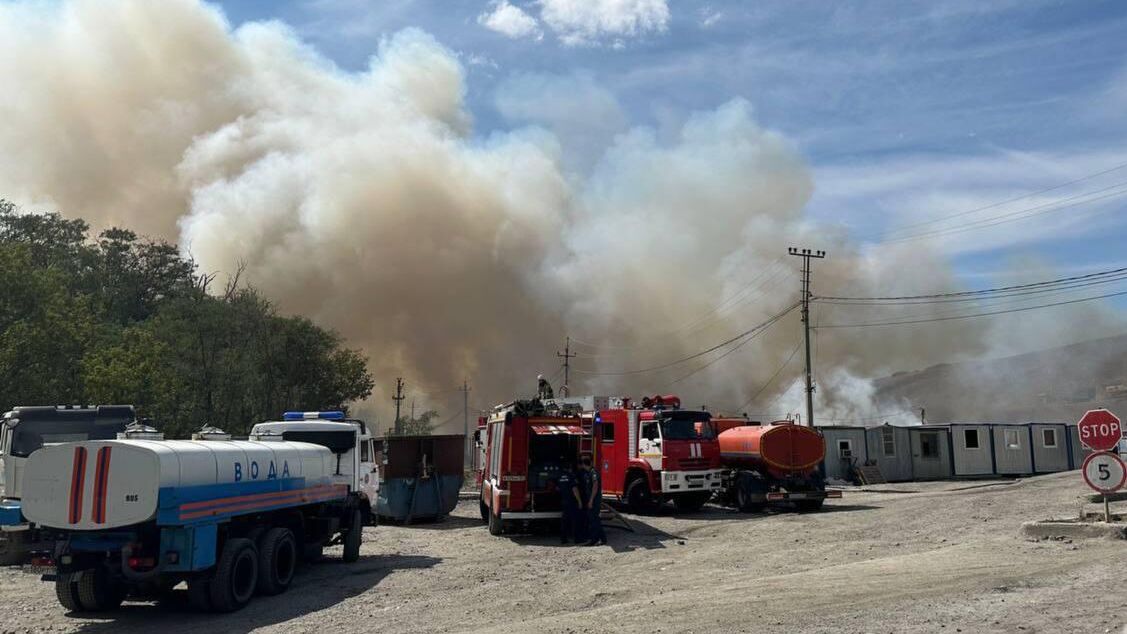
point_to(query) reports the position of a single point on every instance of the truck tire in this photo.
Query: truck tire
(353, 537)
(98, 591)
(484, 510)
(749, 485)
(66, 589)
(691, 502)
(199, 593)
(277, 560)
(638, 497)
(236, 576)
(496, 525)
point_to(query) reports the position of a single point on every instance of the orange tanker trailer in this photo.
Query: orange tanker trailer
(771, 464)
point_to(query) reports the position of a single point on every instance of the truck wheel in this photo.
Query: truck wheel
(66, 589)
(277, 560)
(236, 576)
(496, 524)
(484, 510)
(352, 538)
(638, 496)
(748, 487)
(691, 502)
(98, 591)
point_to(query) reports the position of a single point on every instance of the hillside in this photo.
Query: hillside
(1048, 385)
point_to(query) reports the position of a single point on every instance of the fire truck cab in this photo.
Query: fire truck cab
(656, 452)
(527, 444)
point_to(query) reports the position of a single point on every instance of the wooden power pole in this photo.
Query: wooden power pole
(806, 255)
(398, 398)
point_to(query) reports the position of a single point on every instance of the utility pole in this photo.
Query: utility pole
(398, 398)
(806, 255)
(466, 423)
(567, 355)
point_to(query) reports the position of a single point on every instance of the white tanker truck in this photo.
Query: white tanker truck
(231, 518)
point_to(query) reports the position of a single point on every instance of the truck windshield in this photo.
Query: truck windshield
(30, 435)
(338, 442)
(685, 429)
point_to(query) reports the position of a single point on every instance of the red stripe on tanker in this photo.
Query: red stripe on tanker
(77, 484)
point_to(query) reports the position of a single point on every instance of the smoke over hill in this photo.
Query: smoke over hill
(365, 201)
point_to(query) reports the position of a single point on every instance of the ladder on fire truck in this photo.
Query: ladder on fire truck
(608, 514)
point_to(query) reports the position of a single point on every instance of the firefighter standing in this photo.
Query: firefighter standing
(592, 489)
(543, 388)
(571, 503)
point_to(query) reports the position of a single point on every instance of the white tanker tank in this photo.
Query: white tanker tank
(98, 485)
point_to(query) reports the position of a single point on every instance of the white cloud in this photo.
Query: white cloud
(510, 20)
(709, 17)
(586, 21)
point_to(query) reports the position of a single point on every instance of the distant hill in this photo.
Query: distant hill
(1058, 384)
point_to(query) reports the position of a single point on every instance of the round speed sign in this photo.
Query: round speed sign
(1104, 471)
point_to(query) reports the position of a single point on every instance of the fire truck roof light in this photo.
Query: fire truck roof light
(335, 415)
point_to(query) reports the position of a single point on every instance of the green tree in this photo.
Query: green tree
(422, 425)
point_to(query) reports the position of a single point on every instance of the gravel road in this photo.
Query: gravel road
(916, 557)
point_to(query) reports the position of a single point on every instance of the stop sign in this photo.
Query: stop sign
(1100, 430)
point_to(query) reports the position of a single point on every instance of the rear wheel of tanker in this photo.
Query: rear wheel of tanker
(98, 591)
(638, 497)
(496, 524)
(353, 536)
(277, 560)
(691, 502)
(749, 487)
(66, 589)
(236, 576)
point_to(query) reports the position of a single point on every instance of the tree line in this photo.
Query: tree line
(116, 318)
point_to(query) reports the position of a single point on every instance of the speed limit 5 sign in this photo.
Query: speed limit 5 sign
(1104, 471)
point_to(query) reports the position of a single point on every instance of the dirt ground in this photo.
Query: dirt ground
(918, 557)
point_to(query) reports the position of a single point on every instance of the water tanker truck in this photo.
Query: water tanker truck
(26, 429)
(135, 517)
(771, 464)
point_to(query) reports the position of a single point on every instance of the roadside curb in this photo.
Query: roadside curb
(1057, 529)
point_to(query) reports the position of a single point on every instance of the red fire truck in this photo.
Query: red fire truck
(527, 444)
(656, 452)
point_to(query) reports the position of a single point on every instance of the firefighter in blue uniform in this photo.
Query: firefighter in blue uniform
(571, 505)
(591, 488)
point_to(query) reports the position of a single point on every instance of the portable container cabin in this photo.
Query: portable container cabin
(1052, 451)
(845, 447)
(890, 447)
(972, 449)
(931, 452)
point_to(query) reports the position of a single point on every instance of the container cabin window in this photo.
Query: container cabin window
(1013, 439)
(888, 439)
(970, 438)
(1049, 437)
(845, 448)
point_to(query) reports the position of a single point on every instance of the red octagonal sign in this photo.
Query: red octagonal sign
(1100, 430)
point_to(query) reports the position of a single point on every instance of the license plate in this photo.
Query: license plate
(38, 570)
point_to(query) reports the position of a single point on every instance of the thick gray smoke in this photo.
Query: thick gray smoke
(365, 201)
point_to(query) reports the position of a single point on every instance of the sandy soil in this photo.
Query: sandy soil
(920, 557)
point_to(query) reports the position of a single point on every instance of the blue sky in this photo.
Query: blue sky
(905, 111)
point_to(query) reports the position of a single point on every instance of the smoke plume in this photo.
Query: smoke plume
(365, 201)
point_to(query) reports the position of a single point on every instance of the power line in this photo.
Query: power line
(955, 317)
(728, 352)
(773, 377)
(1014, 199)
(771, 271)
(1074, 278)
(722, 344)
(1020, 214)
